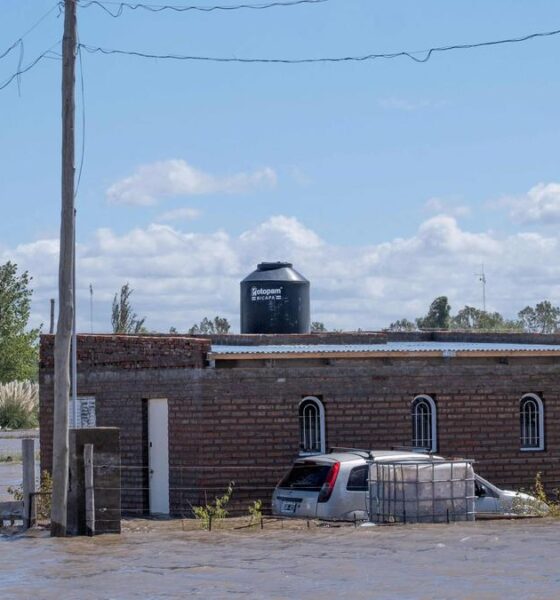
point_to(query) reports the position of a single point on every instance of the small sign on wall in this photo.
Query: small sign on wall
(84, 412)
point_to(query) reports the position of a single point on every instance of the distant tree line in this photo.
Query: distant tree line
(544, 317)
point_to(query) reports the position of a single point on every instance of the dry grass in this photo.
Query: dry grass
(19, 405)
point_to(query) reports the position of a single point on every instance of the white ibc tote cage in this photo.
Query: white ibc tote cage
(432, 491)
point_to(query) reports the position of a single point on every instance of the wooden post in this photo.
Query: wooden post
(28, 456)
(90, 494)
(65, 280)
(51, 327)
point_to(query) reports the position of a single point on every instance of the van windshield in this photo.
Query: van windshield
(306, 476)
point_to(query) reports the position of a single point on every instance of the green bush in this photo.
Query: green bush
(19, 405)
(216, 510)
(255, 512)
(541, 505)
(43, 499)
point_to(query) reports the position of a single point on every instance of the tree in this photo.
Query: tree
(318, 327)
(402, 325)
(543, 318)
(438, 317)
(123, 317)
(470, 317)
(18, 347)
(209, 327)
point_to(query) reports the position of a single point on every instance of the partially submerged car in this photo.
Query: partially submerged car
(334, 486)
(491, 501)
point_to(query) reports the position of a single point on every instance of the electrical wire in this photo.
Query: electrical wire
(83, 145)
(19, 41)
(420, 56)
(32, 64)
(177, 8)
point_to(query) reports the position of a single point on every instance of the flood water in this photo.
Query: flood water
(482, 561)
(11, 472)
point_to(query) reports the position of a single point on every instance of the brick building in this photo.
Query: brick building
(242, 407)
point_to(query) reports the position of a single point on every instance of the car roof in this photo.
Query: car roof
(359, 456)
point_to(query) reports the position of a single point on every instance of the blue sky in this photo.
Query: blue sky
(357, 158)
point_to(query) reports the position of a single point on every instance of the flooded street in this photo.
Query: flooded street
(10, 459)
(485, 560)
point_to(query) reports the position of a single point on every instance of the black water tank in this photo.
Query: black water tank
(275, 299)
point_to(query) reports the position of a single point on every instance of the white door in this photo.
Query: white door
(158, 442)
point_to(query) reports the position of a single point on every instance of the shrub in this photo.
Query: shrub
(43, 501)
(19, 405)
(541, 505)
(216, 510)
(255, 512)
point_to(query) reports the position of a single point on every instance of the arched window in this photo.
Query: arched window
(531, 415)
(311, 426)
(424, 423)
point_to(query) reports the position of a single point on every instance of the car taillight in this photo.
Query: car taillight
(327, 487)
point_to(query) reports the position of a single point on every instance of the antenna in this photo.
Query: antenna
(482, 278)
(91, 307)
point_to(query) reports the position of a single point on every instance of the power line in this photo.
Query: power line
(177, 8)
(19, 41)
(83, 145)
(420, 56)
(21, 71)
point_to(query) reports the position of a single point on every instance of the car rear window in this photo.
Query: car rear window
(306, 476)
(357, 480)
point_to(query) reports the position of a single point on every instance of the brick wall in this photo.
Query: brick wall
(122, 372)
(241, 424)
(282, 339)
(492, 337)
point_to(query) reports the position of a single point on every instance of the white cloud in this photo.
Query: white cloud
(150, 183)
(446, 207)
(540, 205)
(278, 232)
(179, 214)
(180, 276)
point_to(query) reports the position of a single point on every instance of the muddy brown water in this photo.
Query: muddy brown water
(484, 560)
(11, 472)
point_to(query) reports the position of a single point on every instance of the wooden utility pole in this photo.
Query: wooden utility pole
(65, 280)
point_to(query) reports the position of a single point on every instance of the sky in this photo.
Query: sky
(386, 183)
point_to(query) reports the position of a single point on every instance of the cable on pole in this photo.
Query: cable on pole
(33, 63)
(420, 56)
(121, 6)
(83, 144)
(19, 41)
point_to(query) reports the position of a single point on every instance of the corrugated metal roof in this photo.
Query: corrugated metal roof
(403, 347)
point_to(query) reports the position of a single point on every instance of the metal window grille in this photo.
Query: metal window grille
(422, 434)
(310, 427)
(530, 423)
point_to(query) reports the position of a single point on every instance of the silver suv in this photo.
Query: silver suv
(334, 486)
